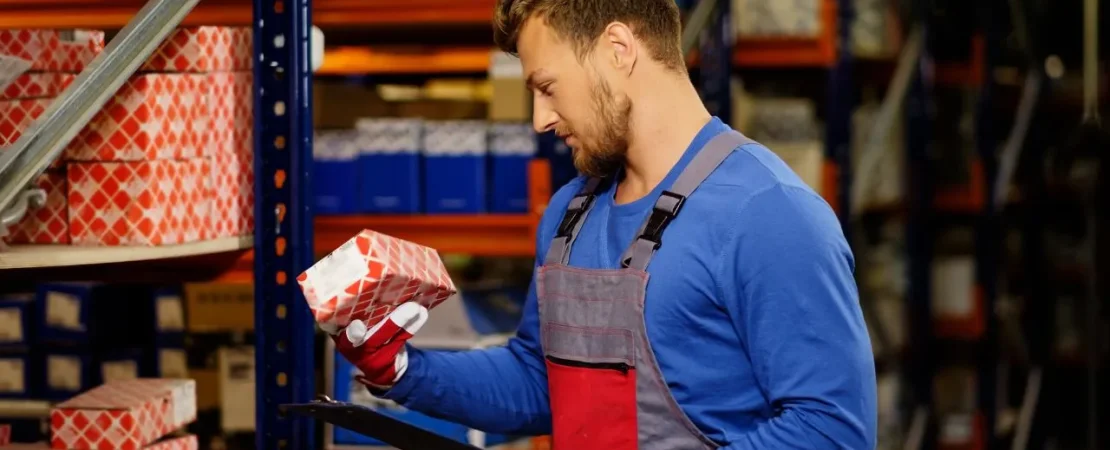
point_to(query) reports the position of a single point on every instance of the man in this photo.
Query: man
(691, 292)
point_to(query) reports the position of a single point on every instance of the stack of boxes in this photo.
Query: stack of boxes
(167, 158)
(410, 166)
(66, 338)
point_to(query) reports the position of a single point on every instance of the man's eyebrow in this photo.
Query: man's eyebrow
(530, 82)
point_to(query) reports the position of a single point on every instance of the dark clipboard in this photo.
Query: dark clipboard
(366, 421)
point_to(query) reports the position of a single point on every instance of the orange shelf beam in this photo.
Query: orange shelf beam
(819, 51)
(112, 14)
(390, 60)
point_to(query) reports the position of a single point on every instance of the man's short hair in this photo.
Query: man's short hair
(655, 22)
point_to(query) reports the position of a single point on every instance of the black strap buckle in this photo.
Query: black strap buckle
(665, 210)
(574, 214)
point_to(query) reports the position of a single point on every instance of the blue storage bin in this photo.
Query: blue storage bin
(168, 306)
(346, 389)
(511, 148)
(17, 323)
(335, 172)
(389, 165)
(455, 167)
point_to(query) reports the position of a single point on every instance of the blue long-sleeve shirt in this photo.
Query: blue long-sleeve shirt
(751, 309)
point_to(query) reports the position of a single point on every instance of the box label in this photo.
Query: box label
(337, 271)
(172, 363)
(171, 313)
(119, 371)
(64, 373)
(63, 310)
(11, 325)
(12, 376)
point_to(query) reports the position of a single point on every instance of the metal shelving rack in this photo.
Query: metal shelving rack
(285, 360)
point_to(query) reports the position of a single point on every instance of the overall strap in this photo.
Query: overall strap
(670, 201)
(577, 210)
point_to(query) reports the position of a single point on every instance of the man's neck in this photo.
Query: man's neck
(665, 119)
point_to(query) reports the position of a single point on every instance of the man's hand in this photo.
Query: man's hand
(380, 351)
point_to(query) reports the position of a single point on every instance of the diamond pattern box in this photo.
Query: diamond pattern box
(17, 115)
(199, 200)
(126, 415)
(53, 50)
(49, 223)
(36, 85)
(126, 203)
(370, 275)
(151, 117)
(202, 49)
(231, 108)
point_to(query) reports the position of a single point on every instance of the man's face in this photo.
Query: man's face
(576, 99)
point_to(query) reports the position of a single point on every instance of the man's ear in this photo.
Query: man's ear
(622, 48)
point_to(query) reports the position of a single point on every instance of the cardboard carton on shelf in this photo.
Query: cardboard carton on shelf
(367, 277)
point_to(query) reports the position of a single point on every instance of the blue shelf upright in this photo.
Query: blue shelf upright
(284, 328)
(841, 101)
(715, 63)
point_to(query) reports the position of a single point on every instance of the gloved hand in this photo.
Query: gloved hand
(380, 351)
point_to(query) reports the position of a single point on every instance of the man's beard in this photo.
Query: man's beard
(602, 150)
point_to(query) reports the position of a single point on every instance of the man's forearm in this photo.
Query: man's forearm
(497, 390)
(805, 428)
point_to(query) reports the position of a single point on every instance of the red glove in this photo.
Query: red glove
(380, 351)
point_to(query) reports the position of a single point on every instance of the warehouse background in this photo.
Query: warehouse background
(944, 134)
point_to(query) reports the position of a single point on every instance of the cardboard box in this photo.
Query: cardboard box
(335, 187)
(199, 200)
(48, 224)
(511, 101)
(125, 415)
(153, 116)
(64, 373)
(368, 276)
(126, 203)
(237, 393)
(219, 307)
(36, 85)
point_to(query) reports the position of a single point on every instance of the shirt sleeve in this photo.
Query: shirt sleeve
(789, 288)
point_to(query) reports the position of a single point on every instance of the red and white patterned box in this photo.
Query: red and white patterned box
(76, 49)
(5, 434)
(197, 182)
(231, 107)
(233, 196)
(123, 415)
(242, 48)
(48, 224)
(150, 117)
(53, 50)
(202, 49)
(17, 115)
(370, 275)
(125, 203)
(37, 85)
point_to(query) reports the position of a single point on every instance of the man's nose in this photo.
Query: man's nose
(544, 117)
